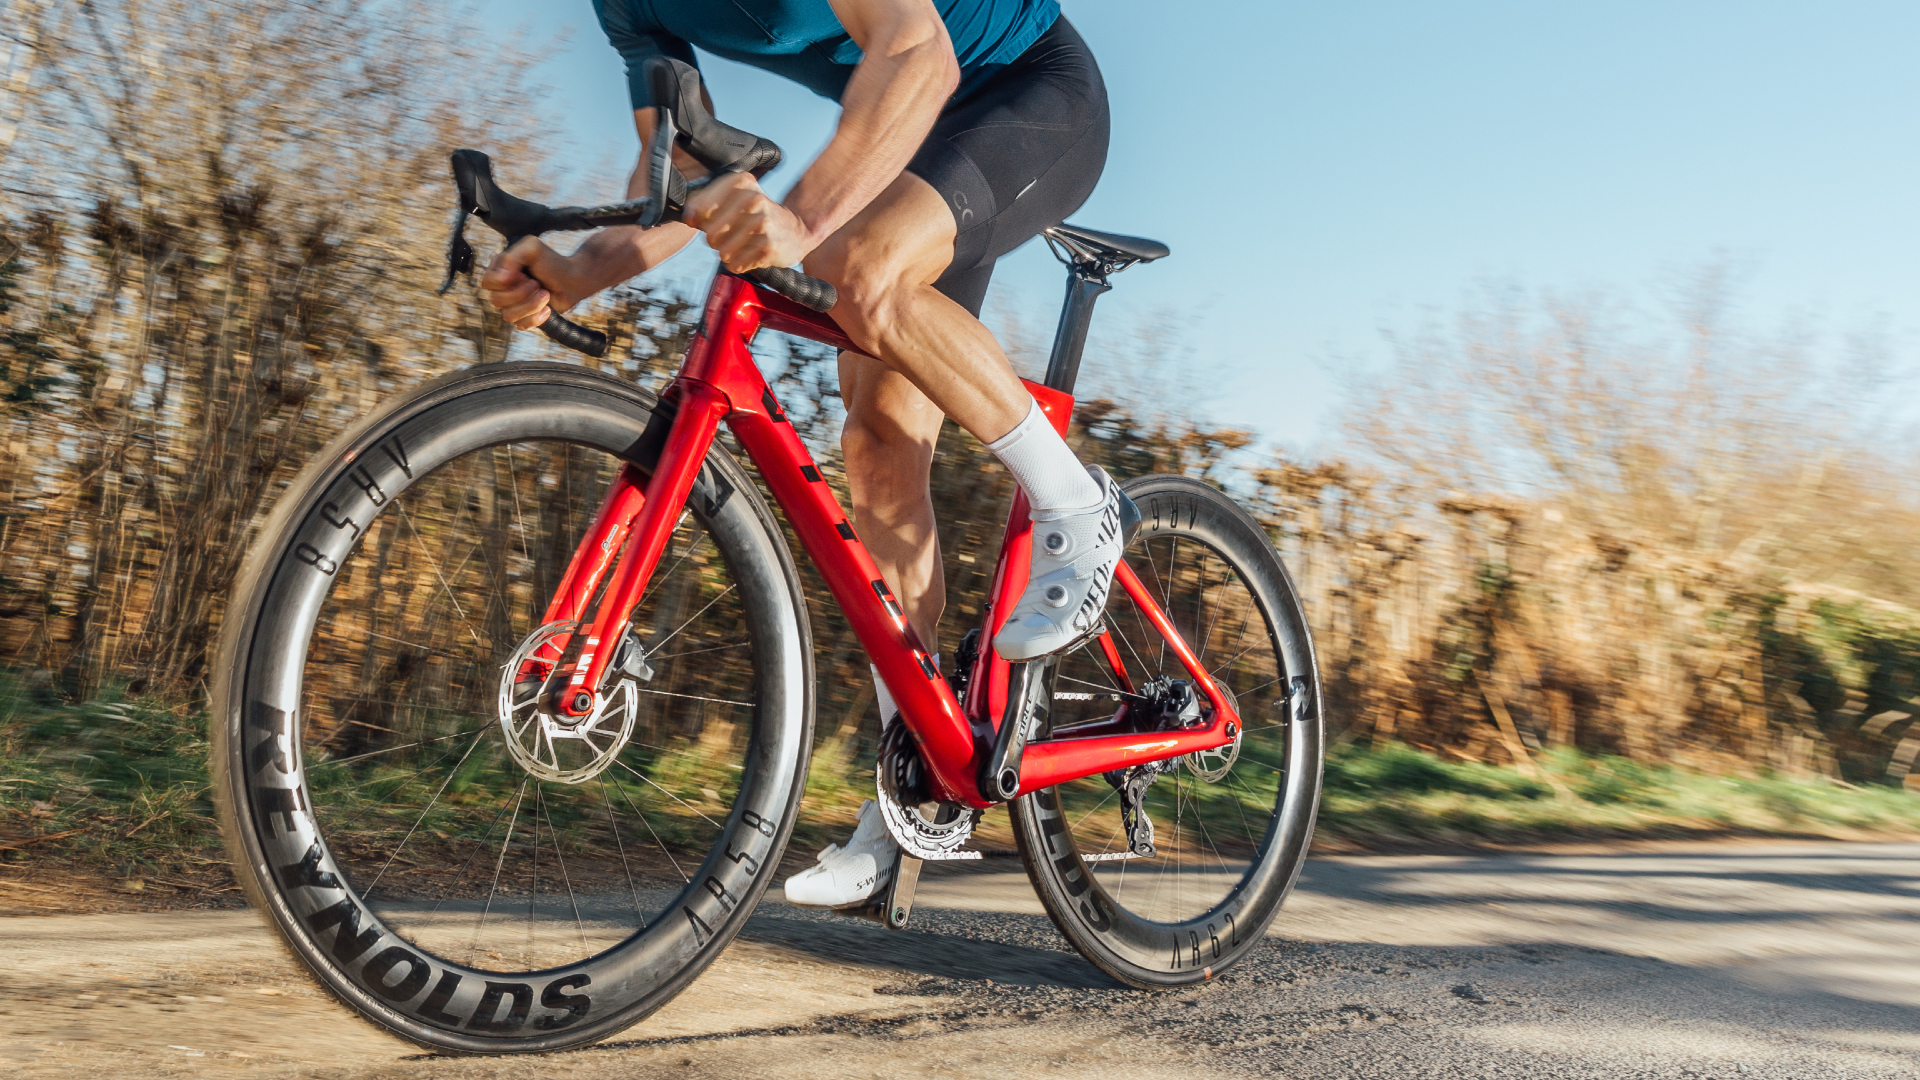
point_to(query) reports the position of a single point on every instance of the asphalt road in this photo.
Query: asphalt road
(1778, 960)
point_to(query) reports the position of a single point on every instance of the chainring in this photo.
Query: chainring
(924, 828)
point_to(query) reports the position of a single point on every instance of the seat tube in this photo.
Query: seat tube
(701, 409)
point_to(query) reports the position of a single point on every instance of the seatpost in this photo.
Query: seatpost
(1084, 285)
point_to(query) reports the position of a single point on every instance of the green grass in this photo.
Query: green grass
(1396, 794)
(120, 784)
(124, 780)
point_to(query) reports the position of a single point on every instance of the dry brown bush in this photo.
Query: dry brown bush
(223, 220)
(1586, 526)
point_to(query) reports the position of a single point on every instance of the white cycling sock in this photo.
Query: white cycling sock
(1042, 465)
(889, 712)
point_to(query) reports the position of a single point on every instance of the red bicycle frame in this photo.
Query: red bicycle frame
(720, 383)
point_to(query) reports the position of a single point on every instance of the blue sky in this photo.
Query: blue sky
(1325, 171)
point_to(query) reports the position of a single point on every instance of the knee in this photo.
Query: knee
(867, 281)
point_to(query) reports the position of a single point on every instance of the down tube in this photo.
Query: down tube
(927, 704)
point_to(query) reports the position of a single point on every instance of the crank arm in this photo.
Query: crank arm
(893, 906)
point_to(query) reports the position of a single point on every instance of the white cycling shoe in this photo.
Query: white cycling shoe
(1075, 553)
(848, 875)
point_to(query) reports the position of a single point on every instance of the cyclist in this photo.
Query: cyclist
(966, 127)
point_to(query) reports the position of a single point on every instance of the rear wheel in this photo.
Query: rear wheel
(448, 857)
(1230, 828)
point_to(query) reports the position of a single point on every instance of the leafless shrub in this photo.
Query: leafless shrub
(1690, 544)
(225, 220)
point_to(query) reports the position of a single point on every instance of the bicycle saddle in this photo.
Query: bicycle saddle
(1111, 251)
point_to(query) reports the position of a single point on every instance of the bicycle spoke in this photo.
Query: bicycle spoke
(1166, 597)
(406, 782)
(329, 625)
(696, 697)
(695, 652)
(1098, 686)
(668, 794)
(431, 803)
(1128, 642)
(1096, 807)
(1245, 828)
(695, 615)
(1200, 822)
(533, 892)
(479, 845)
(391, 749)
(613, 825)
(1262, 686)
(1086, 647)
(697, 541)
(519, 514)
(435, 565)
(657, 842)
(1215, 673)
(1206, 639)
(497, 865)
(566, 879)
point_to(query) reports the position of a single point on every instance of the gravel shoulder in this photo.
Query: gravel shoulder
(1671, 960)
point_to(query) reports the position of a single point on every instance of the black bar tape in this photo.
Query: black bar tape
(574, 336)
(808, 292)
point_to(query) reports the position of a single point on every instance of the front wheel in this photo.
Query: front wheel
(1230, 828)
(446, 856)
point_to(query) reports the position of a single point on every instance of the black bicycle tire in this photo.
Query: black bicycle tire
(1153, 955)
(497, 403)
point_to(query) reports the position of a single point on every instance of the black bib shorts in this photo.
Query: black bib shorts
(1015, 155)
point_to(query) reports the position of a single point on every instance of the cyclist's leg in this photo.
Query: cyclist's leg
(1014, 156)
(887, 444)
(912, 270)
(884, 264)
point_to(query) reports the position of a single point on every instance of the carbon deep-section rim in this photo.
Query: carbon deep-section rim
(417, 867)
(1230, 829)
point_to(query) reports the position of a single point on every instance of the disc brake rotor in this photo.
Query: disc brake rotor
(552, 746)
(1211, 765)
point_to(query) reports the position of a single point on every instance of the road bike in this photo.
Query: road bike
(514, 699)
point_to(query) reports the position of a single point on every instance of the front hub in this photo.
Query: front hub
(553, 743)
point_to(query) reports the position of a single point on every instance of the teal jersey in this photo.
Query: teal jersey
(803, 40)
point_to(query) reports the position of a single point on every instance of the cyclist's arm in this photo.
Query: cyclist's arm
(524, 281)
(906, 72)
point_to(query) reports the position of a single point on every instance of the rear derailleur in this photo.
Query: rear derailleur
(1167, 705)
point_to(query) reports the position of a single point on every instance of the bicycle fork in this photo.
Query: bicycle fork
(638, 515)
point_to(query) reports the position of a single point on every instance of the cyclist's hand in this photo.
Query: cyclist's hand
(744, 226)
(527, 281)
